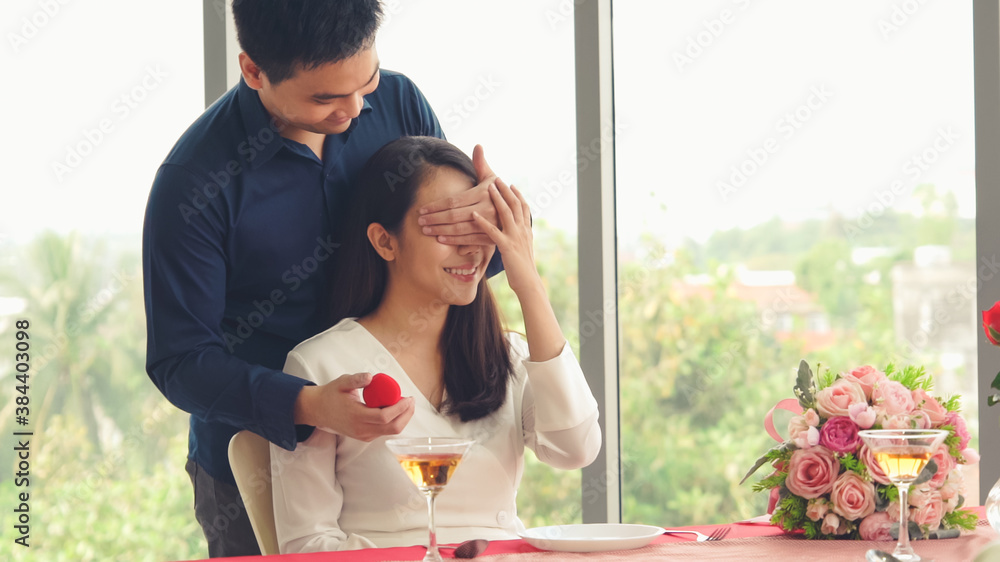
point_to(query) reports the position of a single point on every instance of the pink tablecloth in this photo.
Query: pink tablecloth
(744, 542)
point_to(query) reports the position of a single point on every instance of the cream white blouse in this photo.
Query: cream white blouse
(338, 493)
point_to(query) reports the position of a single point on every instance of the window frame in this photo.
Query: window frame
(986, 52)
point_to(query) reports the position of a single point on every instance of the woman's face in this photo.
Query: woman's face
(429, 270)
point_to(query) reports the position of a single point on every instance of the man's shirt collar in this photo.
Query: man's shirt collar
(264, 131)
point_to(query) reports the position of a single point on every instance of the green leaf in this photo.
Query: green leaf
(881, 502)
(805, 386)
(812, 529)
(993, 333)
(911, 377)
(960, 518)
(952, 404)
(774, 453)
(930, 469)
(790, 513)
(952, 441)
(890, 493)
(996, 382)
(851, 463)
(826, 377)
(772, 481)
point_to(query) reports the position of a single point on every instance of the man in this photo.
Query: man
(240, 225)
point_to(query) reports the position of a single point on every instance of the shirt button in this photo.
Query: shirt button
(502, 518)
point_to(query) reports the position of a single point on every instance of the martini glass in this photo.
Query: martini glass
(430, 462)
(902, 454)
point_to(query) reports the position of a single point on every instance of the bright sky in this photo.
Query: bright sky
(825, 104)
(866, 102)
(89, 64)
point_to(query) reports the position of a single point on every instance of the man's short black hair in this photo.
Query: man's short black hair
(280, 35)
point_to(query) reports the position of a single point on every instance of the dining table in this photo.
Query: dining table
(745, 541)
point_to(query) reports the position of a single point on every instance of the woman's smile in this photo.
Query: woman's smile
(466, 273)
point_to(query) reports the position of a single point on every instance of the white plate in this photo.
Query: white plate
(591, 537)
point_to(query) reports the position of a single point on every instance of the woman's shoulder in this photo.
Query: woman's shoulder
(340, 333)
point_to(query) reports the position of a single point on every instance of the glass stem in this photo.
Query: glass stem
(432, 545)
(903, 546)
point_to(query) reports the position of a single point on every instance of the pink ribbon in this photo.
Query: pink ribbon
(789, 405)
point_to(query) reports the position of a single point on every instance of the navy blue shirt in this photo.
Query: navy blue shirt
(238, 231)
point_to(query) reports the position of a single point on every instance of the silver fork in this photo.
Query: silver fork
(716, 535)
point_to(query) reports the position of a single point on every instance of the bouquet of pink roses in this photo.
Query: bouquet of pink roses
(827, 483)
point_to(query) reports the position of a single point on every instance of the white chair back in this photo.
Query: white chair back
(250, 458)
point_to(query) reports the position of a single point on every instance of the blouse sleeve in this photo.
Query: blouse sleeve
(307, 497)
(558, 410)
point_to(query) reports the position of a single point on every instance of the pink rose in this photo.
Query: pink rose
(919, 496)
(811, 472)
(866, 376)
(832, 525)
(921, 420)
(956, 420)
(802, 429)
(898, 421)
(893, 396)
(893, 510)
(835, 399)
(876, 526)
(807, 438)
(852, 496)
(811, 417)
(840, 435)
(951, 491)
(930, 514)
(862, 414)
(970, 456)
(926, 403)
(874, 468)
(817, 509)
(945, 464)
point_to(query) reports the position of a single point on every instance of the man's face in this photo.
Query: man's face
(325, 99)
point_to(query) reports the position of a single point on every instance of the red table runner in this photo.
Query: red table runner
(744, 541)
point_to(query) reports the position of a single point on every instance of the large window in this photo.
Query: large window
(793, 181)
(476, 77)
(97, 94)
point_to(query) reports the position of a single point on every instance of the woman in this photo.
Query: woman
(422, 312)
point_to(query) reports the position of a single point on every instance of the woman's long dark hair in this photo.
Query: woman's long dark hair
(477, 364)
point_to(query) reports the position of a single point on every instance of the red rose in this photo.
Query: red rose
(991, 323)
